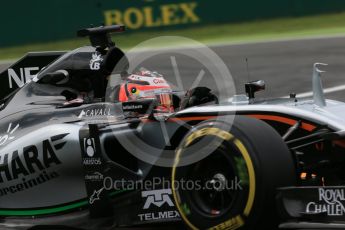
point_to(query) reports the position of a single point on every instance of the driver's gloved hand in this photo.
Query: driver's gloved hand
(72, 103)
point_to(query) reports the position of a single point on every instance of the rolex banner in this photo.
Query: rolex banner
(35, 21)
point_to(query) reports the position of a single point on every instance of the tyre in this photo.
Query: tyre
(55, 227)
(235, 184)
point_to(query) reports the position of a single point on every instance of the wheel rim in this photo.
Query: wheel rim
(216, 174)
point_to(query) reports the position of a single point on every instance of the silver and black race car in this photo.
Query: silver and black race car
(79, 151)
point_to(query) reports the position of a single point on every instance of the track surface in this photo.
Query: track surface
(286, 66)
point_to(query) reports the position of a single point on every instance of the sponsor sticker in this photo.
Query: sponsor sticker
(96, 112)
(90, 150)
(25, 183)
(158, 205)
(157, 198)
(95, 196)
(95, 62)
(26, 161)
(330, 201)
(95, 176)
(25, 75)
(159, 215)
(9, 135)
(133, 106)
(89, 146)
(20, 164)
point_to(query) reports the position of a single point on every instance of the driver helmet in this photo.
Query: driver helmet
(146, 84)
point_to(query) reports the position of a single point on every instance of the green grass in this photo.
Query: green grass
(331, 24)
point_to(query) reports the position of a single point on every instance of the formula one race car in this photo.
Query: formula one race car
(82, 146)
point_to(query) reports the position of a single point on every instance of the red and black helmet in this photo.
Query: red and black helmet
(146, 84)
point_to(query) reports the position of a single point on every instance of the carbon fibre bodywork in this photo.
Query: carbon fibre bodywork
(57, 157)
(45, 172)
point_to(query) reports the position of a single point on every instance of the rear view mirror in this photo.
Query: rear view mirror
(253, 87)
(56, 78)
